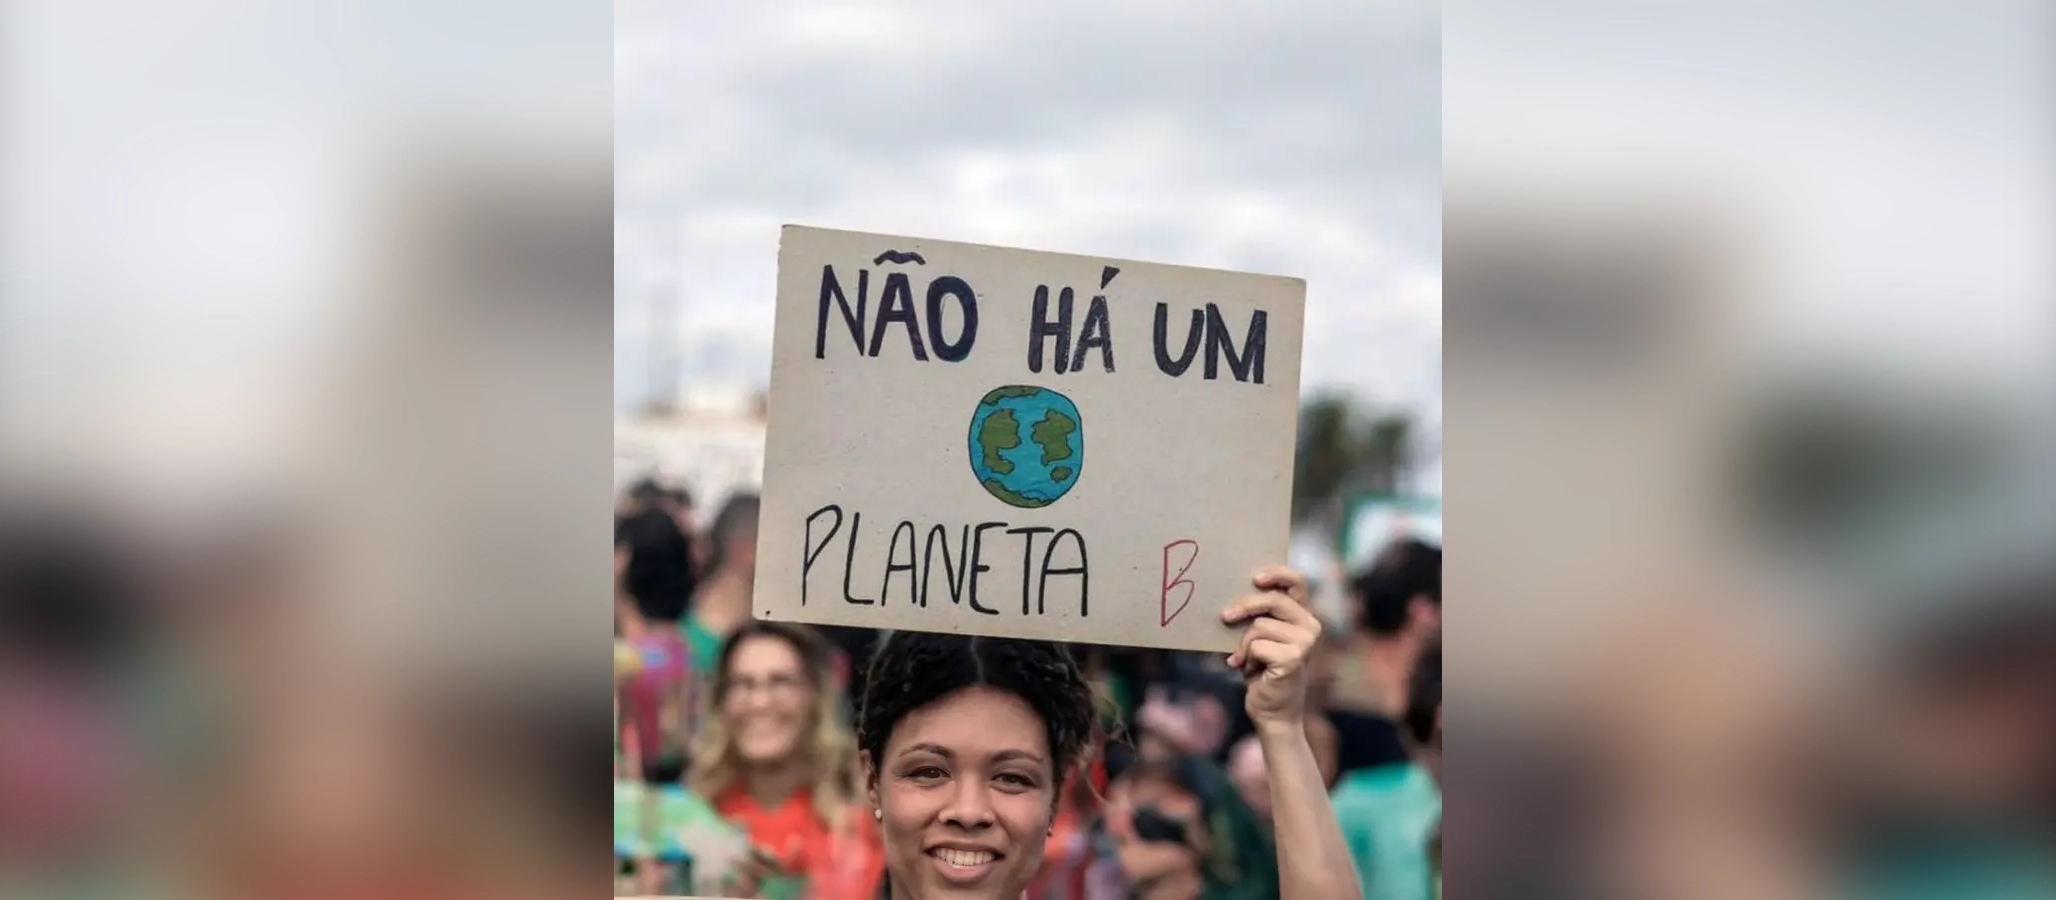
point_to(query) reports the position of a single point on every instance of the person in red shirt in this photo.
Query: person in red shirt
(776, 760)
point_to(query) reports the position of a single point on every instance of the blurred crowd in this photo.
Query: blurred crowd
(175, 721)
(736, 774)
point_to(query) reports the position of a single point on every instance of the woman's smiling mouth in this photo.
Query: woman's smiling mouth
(964, 859)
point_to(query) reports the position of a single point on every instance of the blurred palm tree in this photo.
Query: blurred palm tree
(1343, 451)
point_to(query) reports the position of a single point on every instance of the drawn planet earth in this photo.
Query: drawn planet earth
(1027, 445)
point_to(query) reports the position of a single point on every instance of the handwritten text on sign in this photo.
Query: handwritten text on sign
(958, 440)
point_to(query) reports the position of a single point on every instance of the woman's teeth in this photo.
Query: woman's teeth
(963, 859)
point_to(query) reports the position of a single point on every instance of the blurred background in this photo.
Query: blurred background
(1300, 140)
(303, 429)
(1303, 140)
(302, 399)
(1749, 367)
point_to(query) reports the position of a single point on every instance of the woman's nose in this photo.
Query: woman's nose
(970, 805)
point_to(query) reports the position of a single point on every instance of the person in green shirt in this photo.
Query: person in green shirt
(1391, 815)
(722, 602)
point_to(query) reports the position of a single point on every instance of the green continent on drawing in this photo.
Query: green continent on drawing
(993, 486)
(1053, 435)
(1027, 445)
(999, 432)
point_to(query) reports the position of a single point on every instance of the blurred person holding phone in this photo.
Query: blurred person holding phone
(776, 761)
(1180, 831)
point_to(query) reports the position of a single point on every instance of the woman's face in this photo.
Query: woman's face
(967, 786)
(769, 702)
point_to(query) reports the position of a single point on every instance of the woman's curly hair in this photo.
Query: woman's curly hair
(912, 669)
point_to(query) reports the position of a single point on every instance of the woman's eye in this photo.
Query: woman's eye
(926, 773)
(1016, 780)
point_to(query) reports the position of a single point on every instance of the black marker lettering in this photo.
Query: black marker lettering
(892, 554)
(897, 305)
(1084, 579)
(952, 286)
(855, 320)
(811, 551)
(1041, 327)
(953, 577)
(1094, 333)
(1027, 557)
(1220, 342)
(849, 561)
(978, 568)
(1169, 366)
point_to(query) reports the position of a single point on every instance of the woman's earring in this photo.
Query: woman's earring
(878, 814)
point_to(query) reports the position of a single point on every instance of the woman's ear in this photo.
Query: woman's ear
(1056, 801)
(870, 778)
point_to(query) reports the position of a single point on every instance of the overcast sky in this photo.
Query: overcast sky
(1883, 168)
(1297, 139)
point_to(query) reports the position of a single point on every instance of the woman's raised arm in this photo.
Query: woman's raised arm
(1313, 860)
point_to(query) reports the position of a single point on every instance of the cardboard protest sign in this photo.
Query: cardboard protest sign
(1003, 442)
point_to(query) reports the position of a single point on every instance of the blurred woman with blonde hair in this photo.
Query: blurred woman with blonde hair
(774, 759)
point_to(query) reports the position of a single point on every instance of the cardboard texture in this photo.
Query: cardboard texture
(983, 440)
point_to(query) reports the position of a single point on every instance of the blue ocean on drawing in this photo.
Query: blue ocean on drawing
(1027, 445)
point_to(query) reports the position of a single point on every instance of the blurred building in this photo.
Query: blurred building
(711, 441)
(1376, 520)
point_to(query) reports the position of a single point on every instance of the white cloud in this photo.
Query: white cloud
(1300, 142)
(1885, 169)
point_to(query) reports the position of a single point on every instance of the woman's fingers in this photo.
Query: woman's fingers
(1277, 582)
(1276, 659)
(1283, 579)
(1269, 603)
(1278, 631)
(1267, 628)
(1281, 599)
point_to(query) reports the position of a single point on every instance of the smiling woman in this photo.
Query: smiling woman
(966, 743)
(775, 761)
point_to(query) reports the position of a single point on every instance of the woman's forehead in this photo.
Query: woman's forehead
(764, 652)
(975, 721)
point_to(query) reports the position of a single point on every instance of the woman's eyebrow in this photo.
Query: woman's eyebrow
(1006, 755)
(946, 753)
